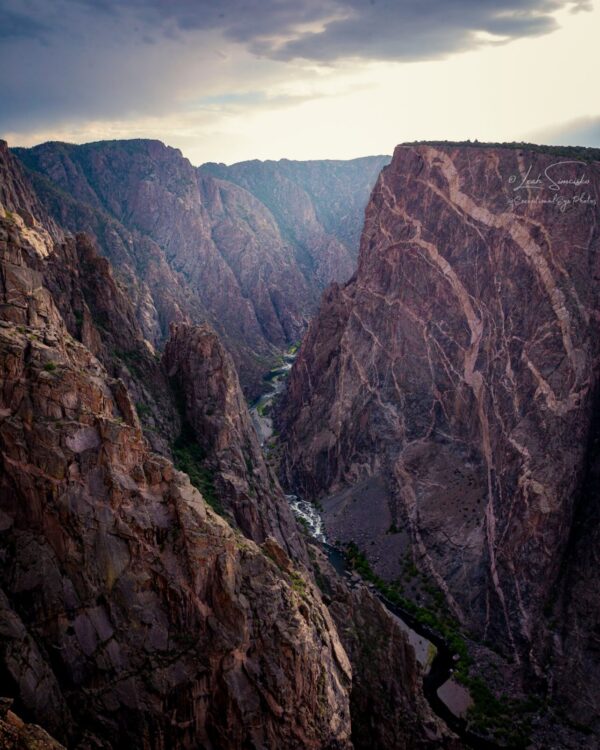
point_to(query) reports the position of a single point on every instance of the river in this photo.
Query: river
(448, 698)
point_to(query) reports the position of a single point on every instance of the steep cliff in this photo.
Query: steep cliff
(130, 613)
(442, 400)
(191, 246)
(98, 312)
(140, 200)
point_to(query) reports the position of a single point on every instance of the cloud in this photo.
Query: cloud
(319, 30)
(67, 64)
(77, 63)
(416, 30)
(16, 25)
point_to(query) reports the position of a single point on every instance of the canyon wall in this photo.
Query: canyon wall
(443, 401)
(217, 420)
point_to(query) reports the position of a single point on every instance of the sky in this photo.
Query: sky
(232, 80)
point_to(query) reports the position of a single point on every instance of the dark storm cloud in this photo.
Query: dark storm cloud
(372, 29)
(417, 29)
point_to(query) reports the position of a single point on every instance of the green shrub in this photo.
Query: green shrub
(298, 583)
(142, 409)
(189, 457)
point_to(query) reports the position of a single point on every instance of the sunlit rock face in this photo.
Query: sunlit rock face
(448, 390)
(249, 256)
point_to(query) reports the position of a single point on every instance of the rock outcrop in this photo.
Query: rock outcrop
(442, 403)
(15, 734)
(215, 418)
(96, 308)
(191, 245)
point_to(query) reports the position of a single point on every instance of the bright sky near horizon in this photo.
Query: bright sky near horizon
(301, 79)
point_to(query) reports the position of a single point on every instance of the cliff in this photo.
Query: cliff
(216, 419)
(442, 403)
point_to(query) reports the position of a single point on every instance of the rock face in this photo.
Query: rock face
(448, 391)
(190, 245)
(15, 734)
(130, 612)
(98, 312)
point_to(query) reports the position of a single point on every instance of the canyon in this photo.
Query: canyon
(182, 348)
(247, 249)
(155, 590)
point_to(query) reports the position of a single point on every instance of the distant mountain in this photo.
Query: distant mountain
(247, 248)
(318, 206)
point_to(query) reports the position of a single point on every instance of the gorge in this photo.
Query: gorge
(174, 397)
(247, 249)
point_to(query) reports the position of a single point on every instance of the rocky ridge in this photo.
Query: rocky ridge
(318, 206)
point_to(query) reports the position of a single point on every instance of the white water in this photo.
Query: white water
(304, 511)
(309, 516)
